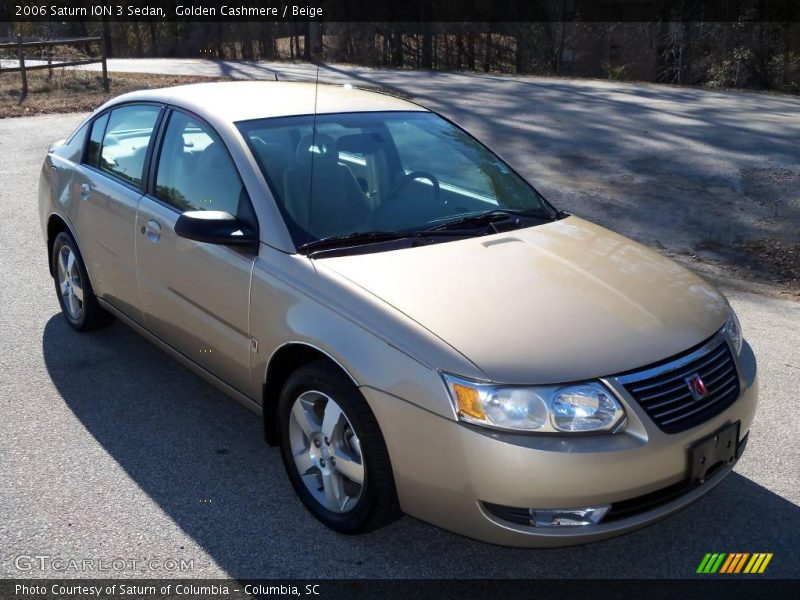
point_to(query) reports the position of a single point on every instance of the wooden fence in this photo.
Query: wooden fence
(20, 47)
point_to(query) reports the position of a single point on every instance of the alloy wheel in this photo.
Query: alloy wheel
(326, 451)
(69, 282)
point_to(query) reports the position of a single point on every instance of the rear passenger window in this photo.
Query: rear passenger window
(195, 171)
(125, 142)
(96, 140)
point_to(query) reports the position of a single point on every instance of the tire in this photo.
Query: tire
(73, 289)
(308, 394)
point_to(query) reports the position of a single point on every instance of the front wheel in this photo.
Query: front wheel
(334, 452)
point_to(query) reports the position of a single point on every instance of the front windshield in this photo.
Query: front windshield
(380, 172)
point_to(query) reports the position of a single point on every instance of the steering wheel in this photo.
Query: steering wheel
(409, 177)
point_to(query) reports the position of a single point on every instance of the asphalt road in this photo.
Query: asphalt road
(109, 449)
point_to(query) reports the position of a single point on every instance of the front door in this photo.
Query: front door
(195, 296)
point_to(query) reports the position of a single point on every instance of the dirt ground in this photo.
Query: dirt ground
(74, 91)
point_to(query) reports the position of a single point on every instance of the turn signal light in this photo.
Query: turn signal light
(469, 401)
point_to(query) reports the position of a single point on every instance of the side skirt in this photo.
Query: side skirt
(218, 383)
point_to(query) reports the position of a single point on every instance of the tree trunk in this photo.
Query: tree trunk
(107, 39)
(522, 37)
(220, 51)
(471, 50)
(760, 76)
(268, 47)
(153, 39)
(397, 46)
(314, 40)
(307, 42)
(562, 31)
(460, 51)
(427, 47)
(786, 54)
(487, 56)
(137, 35)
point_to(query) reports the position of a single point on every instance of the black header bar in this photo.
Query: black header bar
(419, 11)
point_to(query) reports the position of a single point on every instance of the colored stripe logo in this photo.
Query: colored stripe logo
(734, 563)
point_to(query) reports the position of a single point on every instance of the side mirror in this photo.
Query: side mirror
(214, 227)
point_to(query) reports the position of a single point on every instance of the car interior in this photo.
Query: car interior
(363, 180)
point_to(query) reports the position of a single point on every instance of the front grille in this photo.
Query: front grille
(667, 399)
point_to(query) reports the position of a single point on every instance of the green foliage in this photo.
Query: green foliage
(615, 73)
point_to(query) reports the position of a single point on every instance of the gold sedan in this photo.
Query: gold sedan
(420, 330)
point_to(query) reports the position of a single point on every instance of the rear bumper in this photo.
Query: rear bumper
(446, 472)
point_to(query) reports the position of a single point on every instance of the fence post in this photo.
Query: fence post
(104, 50)
(23, 74)
(105, 72)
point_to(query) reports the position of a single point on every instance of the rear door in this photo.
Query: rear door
(195, 296)
(109, 183)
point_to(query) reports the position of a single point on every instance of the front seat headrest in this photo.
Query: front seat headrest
(321, 147)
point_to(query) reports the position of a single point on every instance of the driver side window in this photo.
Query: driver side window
(195, 171)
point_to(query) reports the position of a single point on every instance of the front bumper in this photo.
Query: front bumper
(446, 472)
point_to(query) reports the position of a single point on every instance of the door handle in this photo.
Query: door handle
(152, 231)
(86, 189)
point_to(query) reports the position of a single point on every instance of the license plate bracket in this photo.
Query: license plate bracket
(719, 447)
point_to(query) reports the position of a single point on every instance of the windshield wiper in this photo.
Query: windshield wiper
(456, 227)
(366, 237)
(486, 218)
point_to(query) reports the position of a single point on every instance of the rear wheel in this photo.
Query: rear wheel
(75, 295)
(334, 452)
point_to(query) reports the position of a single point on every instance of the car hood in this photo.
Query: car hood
(560, 302)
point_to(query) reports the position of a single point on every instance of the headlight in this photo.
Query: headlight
(551, 409)
(588, 407)
(734, 332)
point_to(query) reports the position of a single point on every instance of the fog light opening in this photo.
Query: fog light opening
(568, 517)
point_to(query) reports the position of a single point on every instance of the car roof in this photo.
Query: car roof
(243, 100)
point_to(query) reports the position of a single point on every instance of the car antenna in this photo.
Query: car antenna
(276, 76)
(313, 150)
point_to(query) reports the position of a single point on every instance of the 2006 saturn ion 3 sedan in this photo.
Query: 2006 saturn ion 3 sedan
(421, 331)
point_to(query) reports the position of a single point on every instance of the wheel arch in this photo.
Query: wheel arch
(57, 224)
(284, 360)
